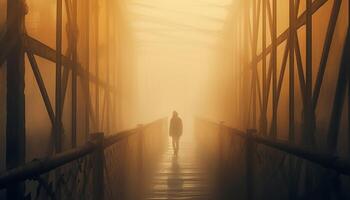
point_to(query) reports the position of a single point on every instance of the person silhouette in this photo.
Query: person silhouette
(175, 131)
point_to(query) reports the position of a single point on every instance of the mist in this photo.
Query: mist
(164, 55)
(175, 47)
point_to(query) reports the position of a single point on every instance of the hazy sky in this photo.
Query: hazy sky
(174, 45)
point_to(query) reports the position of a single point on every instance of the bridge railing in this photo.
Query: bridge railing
(111, 167)
(251, 166)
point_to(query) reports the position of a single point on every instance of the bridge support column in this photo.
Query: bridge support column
(98, 175)
(221, 138)
(15, 125)
(249, 162)
(140, 158)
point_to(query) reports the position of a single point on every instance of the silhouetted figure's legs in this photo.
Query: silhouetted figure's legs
(177, 144)
(175, 141)
(174, 144)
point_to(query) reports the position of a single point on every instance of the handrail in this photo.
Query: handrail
(112, 139)
(326, 160)
(41, 166)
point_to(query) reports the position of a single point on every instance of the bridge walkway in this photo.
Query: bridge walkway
(180, 177)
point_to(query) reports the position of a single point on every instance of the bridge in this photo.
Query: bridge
(87, 89)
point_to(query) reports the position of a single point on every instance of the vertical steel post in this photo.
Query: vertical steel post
(140, 157)
(240, 66)
(274, 68)
(58, 103)
(291, 69)
(338, 102)
(263, 120)
(308, 134)
(113, 69)
(74, 75)
(348, 76)
(58, 106)
(221, 138)
(249, 162)
(98, 174)
(246, 63)
(15, 124)
(326, 51)
(97, 95)
(308, 48)
(108, 89)
(87, 78)
(254, 63)
(291, 137)
(235, 71)
(243, 44)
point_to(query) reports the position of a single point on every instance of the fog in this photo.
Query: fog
(165, 55)
(175, 45)
(173, 48)
(195, 57)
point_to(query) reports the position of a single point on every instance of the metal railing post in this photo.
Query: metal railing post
(140, 153)
(250, 164)
(98, 175)
(221, 146)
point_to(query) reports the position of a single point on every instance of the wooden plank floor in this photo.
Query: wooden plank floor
(180, 177)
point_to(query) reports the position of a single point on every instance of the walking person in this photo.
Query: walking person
(175, 131)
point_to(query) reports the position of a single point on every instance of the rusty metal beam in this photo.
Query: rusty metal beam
(300, 69)
(44, 51)
(326, 49)
(87, 82)
(74, 44)
(338, 102)
(283, 69)
(42, 87)
(301, 21)
(58, 90)
(15, 108)
(292, 17)
(263, 116)
(273, 60)
(7, 43)
(97, 70)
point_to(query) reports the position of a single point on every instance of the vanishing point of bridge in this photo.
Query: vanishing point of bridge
(273, 123)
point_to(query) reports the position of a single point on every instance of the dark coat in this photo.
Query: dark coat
(175, 129)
